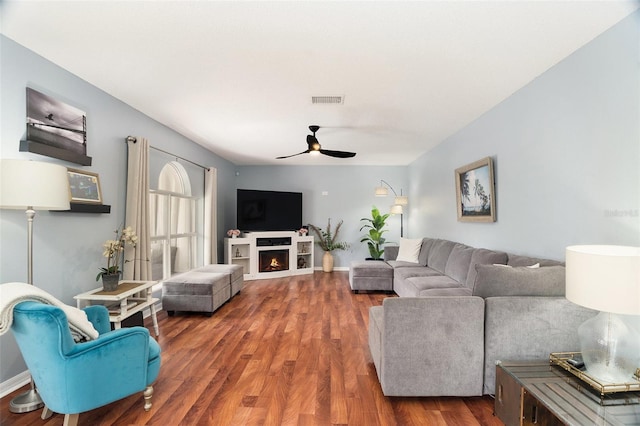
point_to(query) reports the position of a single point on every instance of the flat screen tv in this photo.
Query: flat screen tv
(268, 210)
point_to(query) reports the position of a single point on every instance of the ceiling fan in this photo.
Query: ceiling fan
(314, 146)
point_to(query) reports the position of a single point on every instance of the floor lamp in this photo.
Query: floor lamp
(398, 202)
(30, 186)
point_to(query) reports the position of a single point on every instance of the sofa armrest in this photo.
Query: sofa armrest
(529, 328)
(429, 346)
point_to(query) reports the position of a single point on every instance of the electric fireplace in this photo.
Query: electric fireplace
(273, 260)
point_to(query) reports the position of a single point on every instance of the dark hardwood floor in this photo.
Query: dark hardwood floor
(286, 351)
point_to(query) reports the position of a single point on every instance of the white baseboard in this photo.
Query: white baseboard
(14, 383)
(337, 268)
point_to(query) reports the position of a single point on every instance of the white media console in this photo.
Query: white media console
(270, 254)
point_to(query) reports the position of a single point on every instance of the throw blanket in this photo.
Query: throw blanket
(13, 293)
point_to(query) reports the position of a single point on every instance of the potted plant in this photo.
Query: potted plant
(327, 241)
(113, 252)
(374, 238)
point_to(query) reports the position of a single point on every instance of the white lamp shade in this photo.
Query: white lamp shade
(402, 200)
(381, 191)
(396, 209)
(604, 278)
(34, 184)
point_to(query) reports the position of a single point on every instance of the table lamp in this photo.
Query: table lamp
(607, 279)
(30, 186)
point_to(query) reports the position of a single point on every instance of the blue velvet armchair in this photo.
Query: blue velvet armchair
(75, 377)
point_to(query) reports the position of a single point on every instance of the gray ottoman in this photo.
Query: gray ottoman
(236, 275)
(370, 275)
(195, 291)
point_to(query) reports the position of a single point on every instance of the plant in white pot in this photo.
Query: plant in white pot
(327, 241)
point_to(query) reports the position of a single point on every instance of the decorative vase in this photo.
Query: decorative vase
(327, 262)
(234, 236)
(110, 282)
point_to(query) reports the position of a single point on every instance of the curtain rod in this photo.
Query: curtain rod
(133, 139)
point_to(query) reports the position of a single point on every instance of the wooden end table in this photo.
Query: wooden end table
(537, 393)
(129, 298)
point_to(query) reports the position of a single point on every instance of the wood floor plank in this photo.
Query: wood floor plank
(284, 351)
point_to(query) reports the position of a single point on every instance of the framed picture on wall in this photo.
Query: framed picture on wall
(84, 187)
(55, 129)
(475, 192)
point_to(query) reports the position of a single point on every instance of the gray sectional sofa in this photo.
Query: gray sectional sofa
(460, 310)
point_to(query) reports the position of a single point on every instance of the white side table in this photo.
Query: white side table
(129, 298)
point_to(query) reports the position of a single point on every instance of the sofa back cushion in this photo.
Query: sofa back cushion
(496, 280)
(483, 256)
(518, 260)
(439, 254)
(427, 243)
(458, 263)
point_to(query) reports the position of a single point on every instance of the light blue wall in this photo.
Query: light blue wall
(67, 246)
(567, 157)
(350, 196)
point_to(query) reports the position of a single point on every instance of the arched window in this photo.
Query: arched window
(173, 223)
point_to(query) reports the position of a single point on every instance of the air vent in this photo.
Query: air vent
(327, 100)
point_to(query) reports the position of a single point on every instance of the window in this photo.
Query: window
(175, 223)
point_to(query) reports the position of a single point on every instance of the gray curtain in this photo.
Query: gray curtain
(137, 265)
(210, 216)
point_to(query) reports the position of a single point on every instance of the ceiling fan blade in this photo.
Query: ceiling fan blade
(337, 154)
(292, 155)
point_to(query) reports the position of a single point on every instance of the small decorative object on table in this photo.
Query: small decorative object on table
(113, 250)
(303, 231)
(233, 233)
(237, 252)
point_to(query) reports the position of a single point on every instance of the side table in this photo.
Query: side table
(129, 298)
(537, 393)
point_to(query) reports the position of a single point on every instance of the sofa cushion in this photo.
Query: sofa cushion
(459, 291)
(458, 263)
(492, 280)
(425, 249)
(439, 254)
(482, 256)
(517, 260)
(436, 281)
(409, 250)
(403, 273)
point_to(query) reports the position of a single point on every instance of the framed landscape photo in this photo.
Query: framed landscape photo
(84, 187)
(55, 129)
(475, 192)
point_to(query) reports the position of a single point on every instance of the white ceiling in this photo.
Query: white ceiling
(238, 77)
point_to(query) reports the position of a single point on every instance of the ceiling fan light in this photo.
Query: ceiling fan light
(402, 200)
(312, 152)
(381, 191)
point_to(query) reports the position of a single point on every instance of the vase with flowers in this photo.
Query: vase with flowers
(233, 233)
(327, 240)
(303, 231)
(113, 250)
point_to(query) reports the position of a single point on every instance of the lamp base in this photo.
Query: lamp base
(609, 348)
(26, 402)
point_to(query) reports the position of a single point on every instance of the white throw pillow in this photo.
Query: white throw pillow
(409, 250)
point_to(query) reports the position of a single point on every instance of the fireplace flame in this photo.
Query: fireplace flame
(274, 263)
